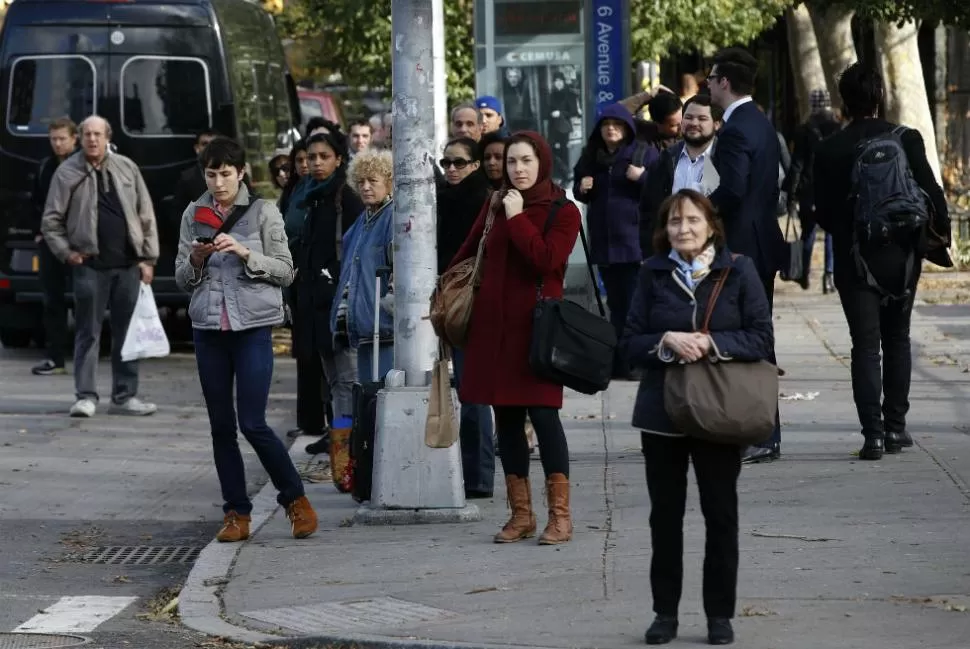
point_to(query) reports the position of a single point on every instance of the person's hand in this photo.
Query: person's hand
(684, 345)
(586, 184)
(200, 252)
(75, 258)
(555, 113)
(225, 243)
(704, 343)
(513, 203)
(634, 172)
(147, 272)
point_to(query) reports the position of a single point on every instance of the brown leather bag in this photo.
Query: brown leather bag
(728, 402)
(453, 298)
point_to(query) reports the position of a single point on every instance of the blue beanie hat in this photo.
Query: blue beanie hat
(488, 101)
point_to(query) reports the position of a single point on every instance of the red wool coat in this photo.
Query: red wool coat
(497, 371)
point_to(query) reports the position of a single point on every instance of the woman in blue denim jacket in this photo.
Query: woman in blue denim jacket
(671, 300)
(367, 254)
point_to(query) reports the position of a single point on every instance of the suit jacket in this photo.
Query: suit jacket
(747, 159)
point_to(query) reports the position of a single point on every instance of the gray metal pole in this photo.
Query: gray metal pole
(415, 258)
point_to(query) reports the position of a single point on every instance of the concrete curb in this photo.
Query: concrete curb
(200, 602)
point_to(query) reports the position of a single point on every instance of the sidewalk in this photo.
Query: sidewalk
(834, 552)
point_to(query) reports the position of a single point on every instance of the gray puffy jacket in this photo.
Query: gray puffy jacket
(251, 291)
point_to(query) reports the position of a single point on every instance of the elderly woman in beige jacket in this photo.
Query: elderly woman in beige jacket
(234, 260)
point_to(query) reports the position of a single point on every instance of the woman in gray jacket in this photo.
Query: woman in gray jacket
(234, 260)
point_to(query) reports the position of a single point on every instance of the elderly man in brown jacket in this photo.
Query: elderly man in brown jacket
(99, 219)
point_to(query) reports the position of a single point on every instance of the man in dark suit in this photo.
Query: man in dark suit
(876, 320)
(746, 158)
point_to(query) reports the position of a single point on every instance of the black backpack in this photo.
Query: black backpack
(890, 207)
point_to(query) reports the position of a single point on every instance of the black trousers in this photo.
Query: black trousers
(53, 282)
(769, 284)
(510, 427)
(716, 467)
(620, 281)
(880, 389)
(314, 409)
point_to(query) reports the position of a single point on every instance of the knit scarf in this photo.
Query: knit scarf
(692, 272)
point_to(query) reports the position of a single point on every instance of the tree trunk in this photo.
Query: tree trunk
(833, 32)
(805, 60)
(902, 73)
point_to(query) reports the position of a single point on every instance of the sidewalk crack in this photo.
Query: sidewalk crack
(608, 497)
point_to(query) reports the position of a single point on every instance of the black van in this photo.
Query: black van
(160, 71)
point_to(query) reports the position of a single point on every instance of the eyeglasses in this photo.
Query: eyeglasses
(457, 163)
(281, 170)
(714, 77)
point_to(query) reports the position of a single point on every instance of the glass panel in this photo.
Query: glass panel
(44, 89)
(310, 108)
(164, 97)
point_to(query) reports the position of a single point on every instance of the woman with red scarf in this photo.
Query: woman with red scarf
(523, 250)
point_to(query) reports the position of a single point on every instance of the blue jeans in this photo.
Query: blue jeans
(477, 444)
(222, 356)
(809, 230)
(365, 361)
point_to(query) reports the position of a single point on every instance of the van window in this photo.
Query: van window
(165, 96)
(45, 88)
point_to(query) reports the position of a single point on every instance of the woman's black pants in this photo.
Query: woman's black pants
(510, 426)
(716, 467)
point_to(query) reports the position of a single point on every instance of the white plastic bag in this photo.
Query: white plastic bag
(146, 337)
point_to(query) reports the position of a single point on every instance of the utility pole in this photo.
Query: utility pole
(413, 483)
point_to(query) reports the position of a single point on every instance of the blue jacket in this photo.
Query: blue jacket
(367, 251)
(740, 327)
(613, 215)
(746, 158)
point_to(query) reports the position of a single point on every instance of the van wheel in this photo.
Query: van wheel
(15, 338)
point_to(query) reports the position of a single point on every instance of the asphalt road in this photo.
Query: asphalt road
(70, 488)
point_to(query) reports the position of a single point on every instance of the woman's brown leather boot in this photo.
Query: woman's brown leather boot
(560, 526)
(522, 524)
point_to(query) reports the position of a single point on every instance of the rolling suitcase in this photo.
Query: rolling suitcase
(364, 427)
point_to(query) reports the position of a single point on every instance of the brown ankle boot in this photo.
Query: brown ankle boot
(303, 520)
(235, 527)
(522, 524)
(560, 527)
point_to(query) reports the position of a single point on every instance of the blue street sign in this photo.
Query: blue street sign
(608, 58)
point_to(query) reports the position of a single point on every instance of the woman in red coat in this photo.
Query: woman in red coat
(520, 250)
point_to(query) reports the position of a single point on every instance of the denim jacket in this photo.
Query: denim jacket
(367, 252)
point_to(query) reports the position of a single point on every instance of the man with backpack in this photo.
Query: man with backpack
(800, 182)
(886, 212)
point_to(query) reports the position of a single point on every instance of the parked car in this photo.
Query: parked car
(160, 71)
(319, 103)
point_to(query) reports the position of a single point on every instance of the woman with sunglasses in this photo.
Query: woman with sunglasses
(460, 200)
(279, 170)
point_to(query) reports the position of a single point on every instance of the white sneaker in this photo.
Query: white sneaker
(134, 407)
(83, 408)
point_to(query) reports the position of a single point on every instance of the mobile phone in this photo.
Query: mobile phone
(204, 240)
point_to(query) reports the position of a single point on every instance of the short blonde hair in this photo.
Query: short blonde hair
(371, 163)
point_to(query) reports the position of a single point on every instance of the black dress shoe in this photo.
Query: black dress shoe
(320, 446)
(755, 454)
(905, 439)
(828, 284)
(719, 631)
(894, 442)
(662, 631)
(872, 449)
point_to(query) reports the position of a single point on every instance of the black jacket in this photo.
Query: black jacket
(799, 182)
(834, 206)
(658, 186)
(42, 185)
(458, 207)
(317, 261)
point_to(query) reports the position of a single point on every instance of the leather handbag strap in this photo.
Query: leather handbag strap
(556, 206)
(715, 293)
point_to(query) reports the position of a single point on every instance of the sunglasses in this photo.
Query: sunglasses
(281, 170)
(711, 78)
(457, 163)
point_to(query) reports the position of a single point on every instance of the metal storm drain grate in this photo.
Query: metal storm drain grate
(141, 555)
(351, 615)
(39, 641)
